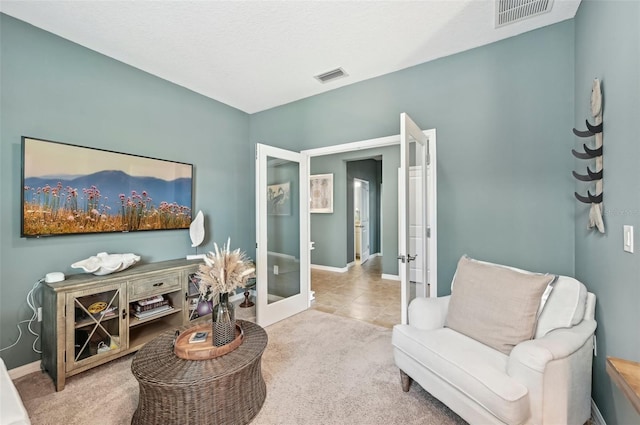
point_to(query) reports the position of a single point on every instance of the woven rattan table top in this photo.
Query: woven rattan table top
(157, 363)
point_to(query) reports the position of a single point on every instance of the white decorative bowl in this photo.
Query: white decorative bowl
(103, 263)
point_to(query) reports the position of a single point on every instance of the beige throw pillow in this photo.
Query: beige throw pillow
(495, 305)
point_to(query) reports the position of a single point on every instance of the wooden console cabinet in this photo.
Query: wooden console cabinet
(89, 320)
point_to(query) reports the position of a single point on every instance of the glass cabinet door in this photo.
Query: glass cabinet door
(198, 306)
(94, 325)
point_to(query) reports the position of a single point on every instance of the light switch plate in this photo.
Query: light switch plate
(627, 238)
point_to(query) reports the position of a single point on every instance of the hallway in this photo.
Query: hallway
(360, 293)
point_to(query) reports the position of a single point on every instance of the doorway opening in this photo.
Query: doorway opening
(338, 283)
(317, 246)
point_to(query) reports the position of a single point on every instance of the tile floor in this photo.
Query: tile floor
(359, 293)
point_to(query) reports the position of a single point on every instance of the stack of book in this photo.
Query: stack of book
(109, 312)
(150, 306)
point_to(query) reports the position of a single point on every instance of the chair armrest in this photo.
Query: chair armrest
(557, 344)
(428, 313)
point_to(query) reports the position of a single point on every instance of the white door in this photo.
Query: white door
(417, 233)
(362, 218)
(414, 153)
(282, 251)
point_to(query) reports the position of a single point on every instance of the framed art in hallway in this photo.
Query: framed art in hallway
(321, 193)
(279, 198)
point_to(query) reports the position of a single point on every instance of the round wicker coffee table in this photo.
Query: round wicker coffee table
(224, 390)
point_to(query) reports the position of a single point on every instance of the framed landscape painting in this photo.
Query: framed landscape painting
(321, 193)
(70, 189)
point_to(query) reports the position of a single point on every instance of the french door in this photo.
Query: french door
(416, 214)
(282, 249)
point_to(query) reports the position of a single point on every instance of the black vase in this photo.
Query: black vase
(224, 321)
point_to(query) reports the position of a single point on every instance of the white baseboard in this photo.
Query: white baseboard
(196, 256)
(24, 370)
(238, 296)
(329, 268)
(390, 276)
(351, 264)
(281, 255)
(596, 416)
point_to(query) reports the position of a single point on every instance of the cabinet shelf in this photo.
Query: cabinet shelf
(90, 322)
(134, 321)
(77, 336)
(141, 335)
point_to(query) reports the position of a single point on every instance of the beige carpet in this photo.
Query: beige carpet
(319, 369)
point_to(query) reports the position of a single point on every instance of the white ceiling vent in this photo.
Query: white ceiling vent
(334, 74)
(510, 11)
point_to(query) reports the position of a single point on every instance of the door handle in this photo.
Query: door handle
(402, 258)
(412, 258)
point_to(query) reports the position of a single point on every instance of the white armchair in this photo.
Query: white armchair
(544, 380)
(11, 408)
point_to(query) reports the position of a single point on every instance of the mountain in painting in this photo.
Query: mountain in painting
(111, 184)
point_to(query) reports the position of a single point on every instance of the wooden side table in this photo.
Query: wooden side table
(226, 390)
(626, 375)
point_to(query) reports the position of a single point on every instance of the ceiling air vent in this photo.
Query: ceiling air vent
(510, 11)
(334, 74)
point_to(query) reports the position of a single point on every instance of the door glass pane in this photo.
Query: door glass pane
(283, 229)
(96, 323)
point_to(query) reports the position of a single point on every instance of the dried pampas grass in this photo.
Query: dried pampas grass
(224, 270)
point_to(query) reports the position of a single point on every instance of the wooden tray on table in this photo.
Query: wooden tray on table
(204, 350)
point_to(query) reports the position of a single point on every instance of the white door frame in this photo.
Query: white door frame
(266, 313)
(381, 142)
(426, 160)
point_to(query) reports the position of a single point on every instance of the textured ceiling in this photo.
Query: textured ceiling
(254, 55)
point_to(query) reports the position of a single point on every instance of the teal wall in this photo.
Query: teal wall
(505, 192)
(503, 113)
(607, 38)
(328, 231)
(57, 90)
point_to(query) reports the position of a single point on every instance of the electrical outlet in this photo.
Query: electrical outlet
(39, 314)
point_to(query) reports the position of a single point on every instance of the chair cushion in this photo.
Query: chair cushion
(495, 305)
(474, 369)
(11, 407)
(565, 306)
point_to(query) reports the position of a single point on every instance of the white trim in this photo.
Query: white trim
(390, 276)
(354, 146)
(596, 416)
(432, 183)
(351, 264)
(268, 312)
(286, 256)
(24, 370)
(379, 143)
(237, 297)
(330, 268)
